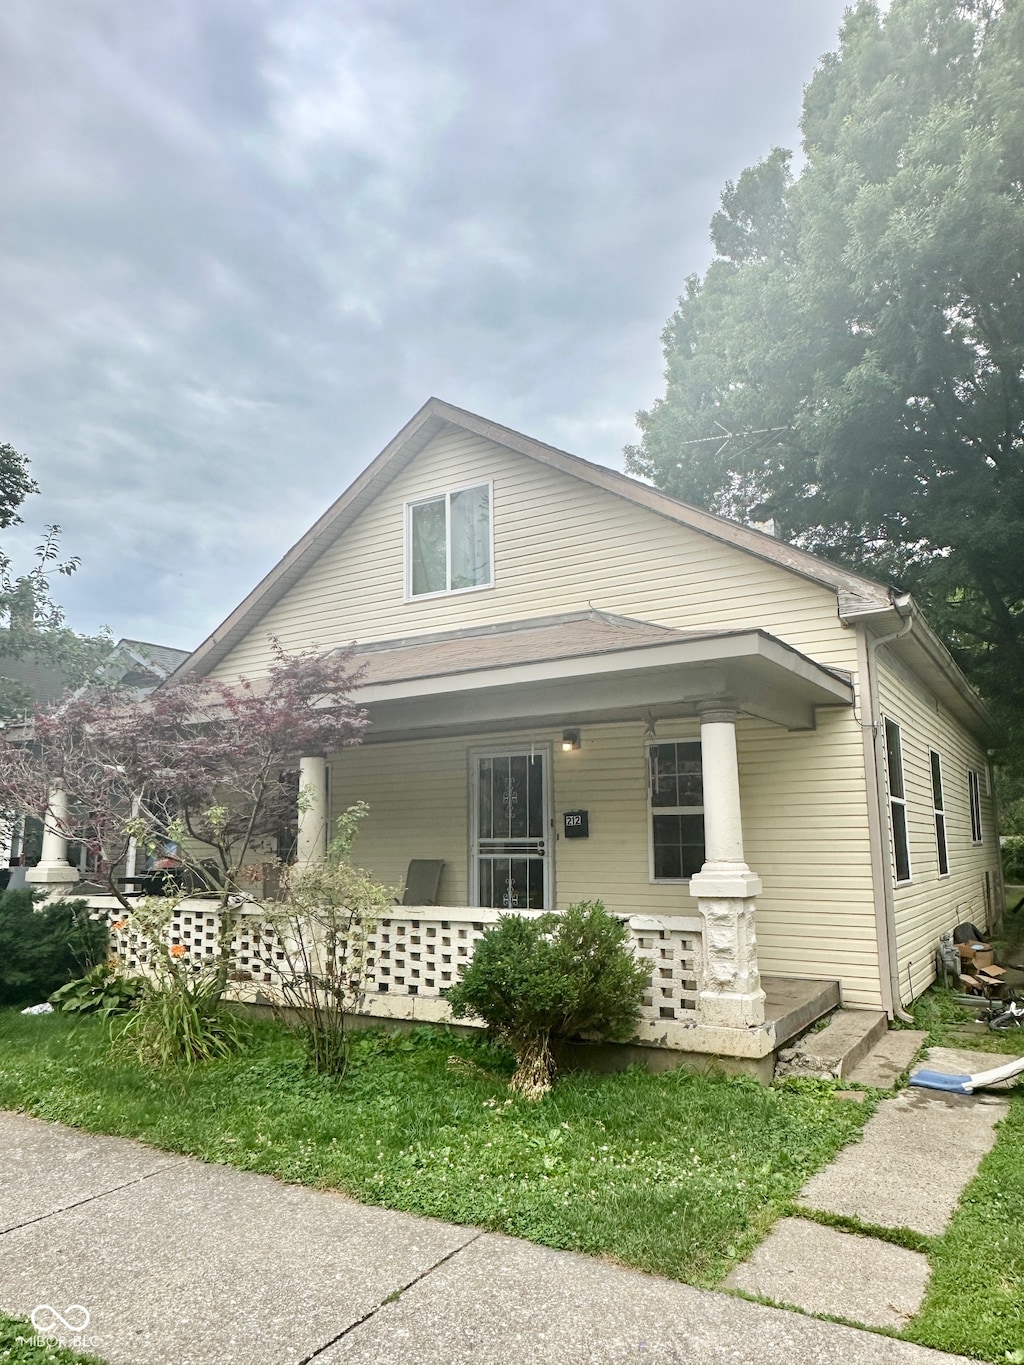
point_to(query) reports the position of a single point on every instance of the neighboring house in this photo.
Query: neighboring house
(132, 664)
(139, 667)
(581, 688)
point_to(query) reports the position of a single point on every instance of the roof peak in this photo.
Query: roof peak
(431, 420)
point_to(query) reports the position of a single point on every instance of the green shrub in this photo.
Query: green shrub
(319, 956)
(104, 990)
(554, 976)
(1013, 858)
(42, 946)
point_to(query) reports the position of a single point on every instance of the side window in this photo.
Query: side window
(974, 798)
(676, 809)
(448, 542)
(939, 808)
(897, 800)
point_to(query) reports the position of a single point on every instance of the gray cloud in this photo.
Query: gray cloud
(245, 240)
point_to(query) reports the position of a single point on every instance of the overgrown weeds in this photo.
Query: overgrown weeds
(317, 952)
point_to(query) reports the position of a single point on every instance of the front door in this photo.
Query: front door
(511, 834)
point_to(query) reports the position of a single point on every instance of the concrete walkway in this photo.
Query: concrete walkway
(918, 1152)
(180, 1263)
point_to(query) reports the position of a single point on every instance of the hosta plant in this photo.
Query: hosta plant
(104, 990)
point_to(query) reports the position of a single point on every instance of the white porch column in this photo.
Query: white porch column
(312, 842)
(8, 838)
(53, 867)
(131, 857)
(725, 888)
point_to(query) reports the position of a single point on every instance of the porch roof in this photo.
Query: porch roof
(584, 667)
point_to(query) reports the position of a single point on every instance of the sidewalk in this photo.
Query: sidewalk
(182, 1263)
(917, 1154)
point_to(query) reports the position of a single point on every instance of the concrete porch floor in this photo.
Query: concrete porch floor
(793, 1004)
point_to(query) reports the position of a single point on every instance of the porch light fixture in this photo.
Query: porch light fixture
(570, 740)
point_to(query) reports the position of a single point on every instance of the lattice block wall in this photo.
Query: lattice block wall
(415, 954)
(196, 929)
(674, 956)
(418, 957)
(131, 948)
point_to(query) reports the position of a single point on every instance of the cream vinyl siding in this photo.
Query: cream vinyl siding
(418, 799)
(805, 834)
(418, 793)
(559, 545)
(929, 905)
(803, 813)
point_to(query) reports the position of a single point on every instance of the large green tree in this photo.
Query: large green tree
(32, 625)
(851, 364)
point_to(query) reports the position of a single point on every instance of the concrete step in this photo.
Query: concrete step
(793, 1004)
(888, 1059)
(836, 1049)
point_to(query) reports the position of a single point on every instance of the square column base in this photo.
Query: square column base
(51, 874)
(725, 881)
(730, 988)
(732, 1009)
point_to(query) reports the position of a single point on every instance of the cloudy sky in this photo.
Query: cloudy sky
(244, 240)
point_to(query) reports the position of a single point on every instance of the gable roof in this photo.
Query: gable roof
(435, 417)
(161, 660)
(164, 657)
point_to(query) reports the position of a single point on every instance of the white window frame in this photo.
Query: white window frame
(667, 810)
(897, 803)
(939, 812)
(446, 494)
(974, 805)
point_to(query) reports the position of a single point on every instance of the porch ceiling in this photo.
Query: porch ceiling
(582, 669)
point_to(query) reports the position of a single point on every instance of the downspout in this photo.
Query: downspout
(999, 917)
(868, 646)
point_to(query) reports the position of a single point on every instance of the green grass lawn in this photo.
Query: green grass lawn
(678, 1174)
(975, 1299)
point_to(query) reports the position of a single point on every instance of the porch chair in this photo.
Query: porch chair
(422, 880)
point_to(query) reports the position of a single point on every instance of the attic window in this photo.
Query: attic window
(448, 542)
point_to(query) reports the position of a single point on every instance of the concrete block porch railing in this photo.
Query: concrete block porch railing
(414, 955)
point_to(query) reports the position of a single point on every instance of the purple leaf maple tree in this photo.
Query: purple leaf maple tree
(206, 766)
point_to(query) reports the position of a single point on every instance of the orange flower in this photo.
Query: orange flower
(119, 924)
(177, 950)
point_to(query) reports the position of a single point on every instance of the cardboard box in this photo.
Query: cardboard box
(970, 983)
(975, 955)
(987, 981)
(992, 979)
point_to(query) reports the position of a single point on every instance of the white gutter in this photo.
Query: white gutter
(870, 723)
